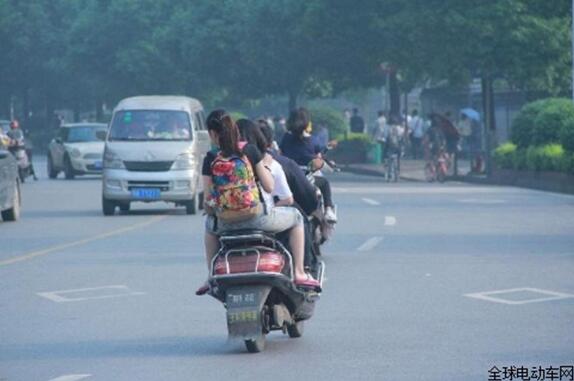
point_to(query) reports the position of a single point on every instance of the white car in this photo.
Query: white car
(77, 149)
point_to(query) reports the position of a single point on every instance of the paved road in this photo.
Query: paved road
(395, 305)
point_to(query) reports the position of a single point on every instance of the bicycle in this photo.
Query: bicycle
(392, 169)
(437, 168)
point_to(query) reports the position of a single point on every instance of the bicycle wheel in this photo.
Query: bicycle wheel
(429, 172)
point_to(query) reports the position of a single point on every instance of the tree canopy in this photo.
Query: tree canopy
(79, 54)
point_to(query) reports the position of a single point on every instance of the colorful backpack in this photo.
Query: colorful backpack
(234, 193)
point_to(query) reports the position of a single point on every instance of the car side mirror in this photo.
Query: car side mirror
(101, 135)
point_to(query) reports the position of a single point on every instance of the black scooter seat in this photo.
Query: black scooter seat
(245, 232)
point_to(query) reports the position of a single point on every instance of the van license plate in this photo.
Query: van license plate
(146, 193)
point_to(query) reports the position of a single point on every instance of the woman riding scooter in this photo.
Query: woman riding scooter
(17, 143)
(298, 145)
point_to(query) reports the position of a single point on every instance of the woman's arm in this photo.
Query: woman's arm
(265, 176)
(207, 188)
(285, 202)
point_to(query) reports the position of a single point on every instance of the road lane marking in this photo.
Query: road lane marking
(370, 244)
(115, 291)
(68, 245)
(71, 377)
(481, 201)
(390, 221)
(487, 295)
(467, 190)
(371, 201)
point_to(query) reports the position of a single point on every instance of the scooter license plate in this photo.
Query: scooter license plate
(244, 316)
(242, 299)
(146, 193)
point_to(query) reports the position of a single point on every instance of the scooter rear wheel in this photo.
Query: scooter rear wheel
(255, 346)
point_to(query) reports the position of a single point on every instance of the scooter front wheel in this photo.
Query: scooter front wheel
(296, 330)
(256, 346)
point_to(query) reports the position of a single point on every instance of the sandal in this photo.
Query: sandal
(308, 281)
(203, 289)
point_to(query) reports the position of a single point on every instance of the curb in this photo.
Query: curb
(375, 173)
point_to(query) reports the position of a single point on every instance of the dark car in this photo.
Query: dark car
(9, 185)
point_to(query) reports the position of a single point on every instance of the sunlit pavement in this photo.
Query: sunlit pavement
(425, 282)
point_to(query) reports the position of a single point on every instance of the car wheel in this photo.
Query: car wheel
(192, 206)
(68, 169)
(13, 214)
(108, 207)
(52, 172)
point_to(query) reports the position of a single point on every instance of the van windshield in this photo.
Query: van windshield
(150, 125)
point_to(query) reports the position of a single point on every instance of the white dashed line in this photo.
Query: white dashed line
(481, 201)
(71, 377)
(390, 221)
(371, 201)
(370, 244)
(81, 294)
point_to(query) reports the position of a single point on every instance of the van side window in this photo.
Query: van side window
(199, 121)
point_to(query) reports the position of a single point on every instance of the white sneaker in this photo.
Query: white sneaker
(330, 214)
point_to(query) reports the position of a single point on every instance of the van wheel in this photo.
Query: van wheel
(108, 207)
(192, 206)
(68, 169)
(125, 207)
(200, 201)
(13, 214)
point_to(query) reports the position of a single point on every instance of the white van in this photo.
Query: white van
(155, 146)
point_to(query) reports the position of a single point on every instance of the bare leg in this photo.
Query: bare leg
(211, 246)
(297, 243)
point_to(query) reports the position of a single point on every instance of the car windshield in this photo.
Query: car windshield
(150, 125)
(84, 134)
(4, 125)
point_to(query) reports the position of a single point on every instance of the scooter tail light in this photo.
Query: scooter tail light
(271, 262)
(268, 262)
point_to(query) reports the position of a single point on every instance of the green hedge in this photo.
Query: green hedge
(543, 122)
(549, 157)
(353, 149)
(331, 119)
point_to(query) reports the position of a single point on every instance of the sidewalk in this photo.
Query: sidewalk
(411, 170)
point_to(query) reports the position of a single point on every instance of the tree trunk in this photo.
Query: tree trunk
(25, 106)
(395, 95)
(489, 119)
(99, 110)
(292, 100)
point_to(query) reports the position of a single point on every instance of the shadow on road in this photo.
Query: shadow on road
(144, 347)
(98, 213)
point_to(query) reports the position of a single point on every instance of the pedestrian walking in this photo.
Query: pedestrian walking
(357, 122)
(416, 127)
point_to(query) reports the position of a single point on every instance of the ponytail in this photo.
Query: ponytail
(227, 132)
